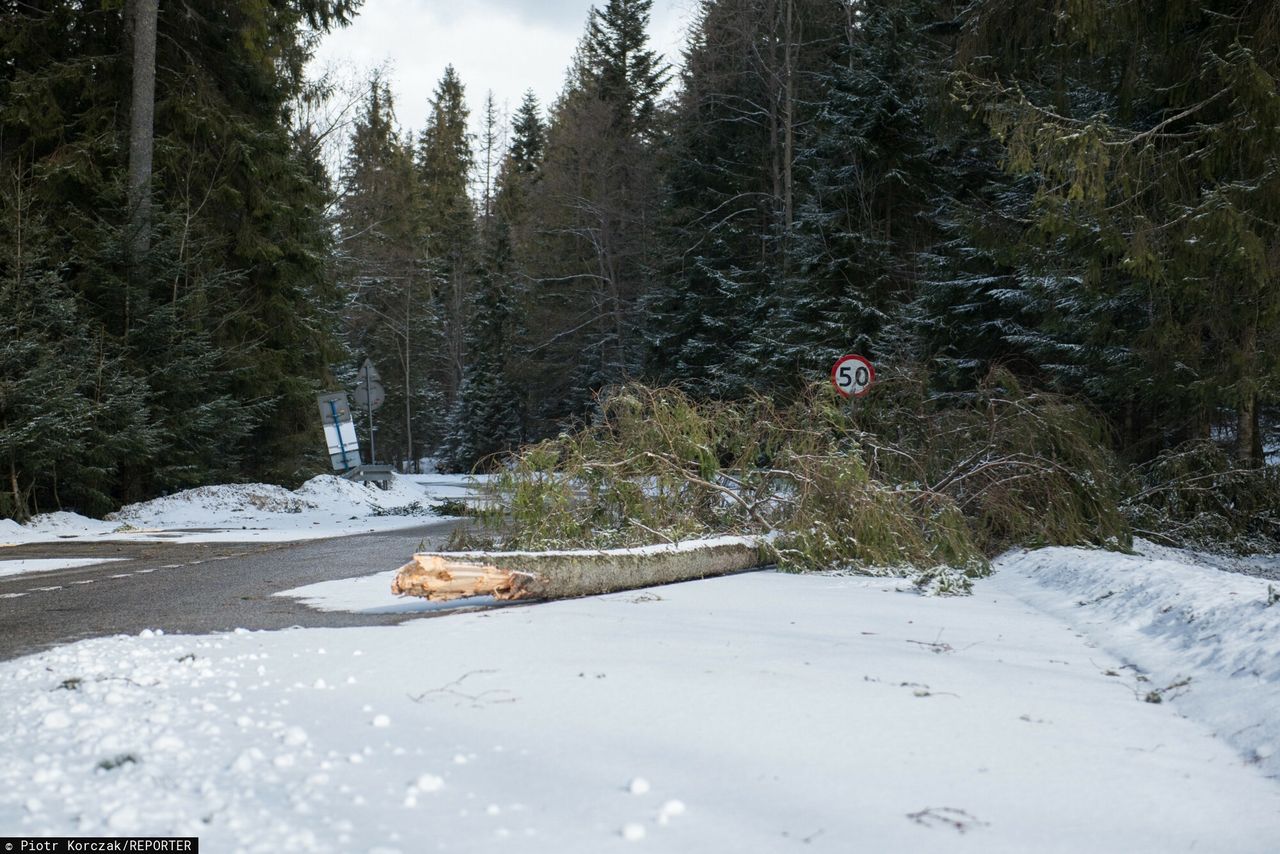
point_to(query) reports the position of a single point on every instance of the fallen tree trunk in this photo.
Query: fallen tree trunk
(566, 574)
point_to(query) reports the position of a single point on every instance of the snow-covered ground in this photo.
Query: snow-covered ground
(753, 713)
(1210, 639)
(324, 506)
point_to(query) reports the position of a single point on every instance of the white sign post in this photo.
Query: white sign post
(853, 376)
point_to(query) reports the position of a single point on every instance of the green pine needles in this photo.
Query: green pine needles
(901, 484)
(1196, 496)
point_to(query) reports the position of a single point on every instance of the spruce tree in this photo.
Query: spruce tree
(514, 219)
(1147, 245)
(868, 182)
(521, 166)
(754, 80)
(242, 192)
(70, 413)
(618, 67)
(447, 221)
(594, 206)
(485, 419)
(216, 340)
(387, 280)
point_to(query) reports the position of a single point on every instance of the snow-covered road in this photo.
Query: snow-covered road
(754, 713)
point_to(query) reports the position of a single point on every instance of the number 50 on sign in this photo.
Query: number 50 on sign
(853, 375)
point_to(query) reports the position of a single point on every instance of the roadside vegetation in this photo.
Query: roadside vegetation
(1196, 496)
(905, 482)
(902, 483)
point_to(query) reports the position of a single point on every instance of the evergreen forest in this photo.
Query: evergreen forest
(1080, 196)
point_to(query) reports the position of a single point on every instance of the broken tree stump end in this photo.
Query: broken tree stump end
(439, 579)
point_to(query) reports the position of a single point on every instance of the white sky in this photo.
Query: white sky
(506, 46)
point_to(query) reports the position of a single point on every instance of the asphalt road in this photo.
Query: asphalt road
(190, 588)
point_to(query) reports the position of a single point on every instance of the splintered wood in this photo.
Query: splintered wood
(433, 577)
(562, 575)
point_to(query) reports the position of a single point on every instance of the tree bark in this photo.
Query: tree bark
(19, 503)
(411, 462)
(562, 575)
(142, 19)
(1259, 449)
(1248, 440)
(788, 118)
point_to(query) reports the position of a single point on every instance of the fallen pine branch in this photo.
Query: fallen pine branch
(566, 574)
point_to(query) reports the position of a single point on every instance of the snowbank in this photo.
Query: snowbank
(213, 504)
(1205, 639)
(62, 525)
(221, 505)
(324, 506)
(11, 532)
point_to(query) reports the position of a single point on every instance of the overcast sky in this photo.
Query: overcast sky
(504, 45)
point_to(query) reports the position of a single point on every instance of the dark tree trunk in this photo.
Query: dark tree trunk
(1248, 440)
(1259, 451)
(1248, 436)
(142, 22)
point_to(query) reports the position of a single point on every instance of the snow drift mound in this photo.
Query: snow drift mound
(62, 523)
(325, 506)
(342, 495)
(209, 504)
(1207, 639)
(216, 505)
(11, 531)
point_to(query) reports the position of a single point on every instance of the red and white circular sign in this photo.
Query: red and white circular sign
(853, 375)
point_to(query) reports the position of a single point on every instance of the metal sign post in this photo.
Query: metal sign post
(369, 396)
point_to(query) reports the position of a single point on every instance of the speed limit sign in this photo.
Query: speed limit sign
(853, 375)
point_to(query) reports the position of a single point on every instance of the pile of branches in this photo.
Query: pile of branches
(903, 483)
(1197, 496)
